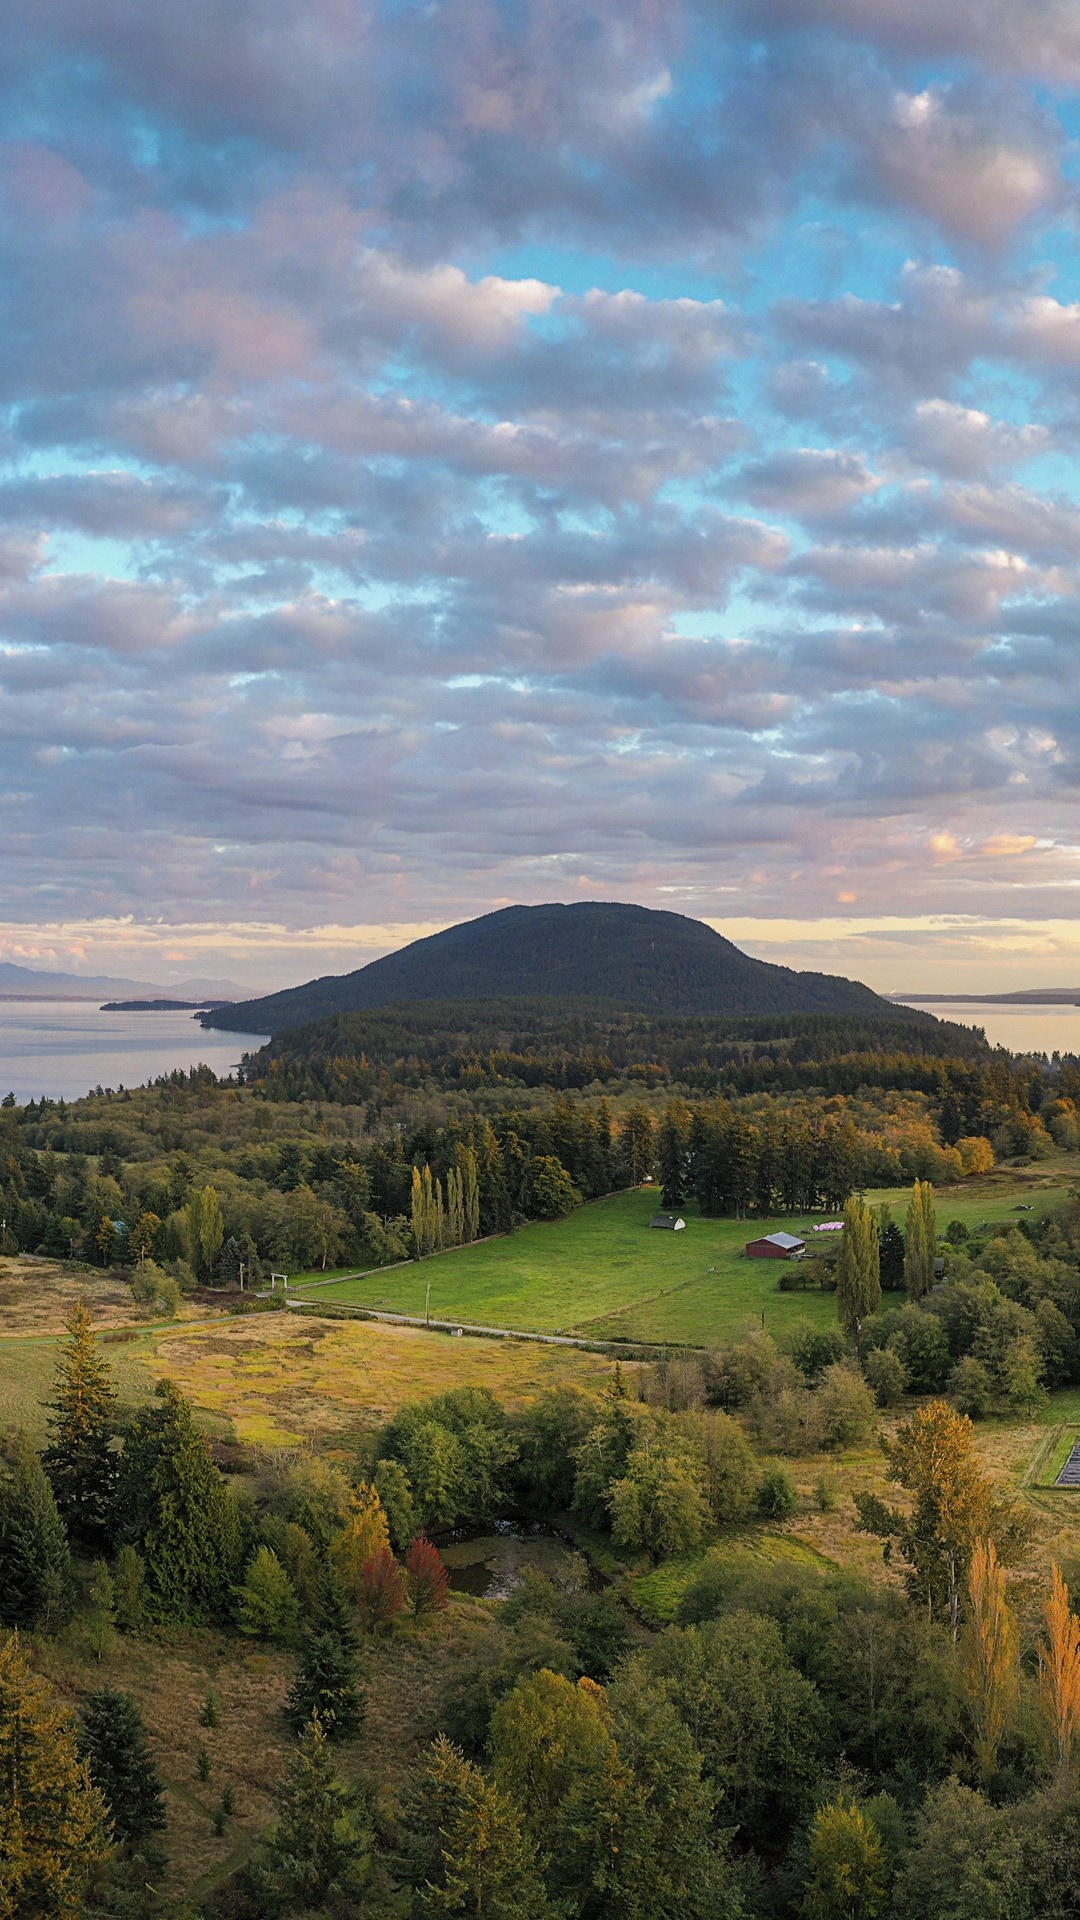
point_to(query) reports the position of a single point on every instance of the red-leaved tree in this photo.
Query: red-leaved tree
(426, 1577)
(381, 1595)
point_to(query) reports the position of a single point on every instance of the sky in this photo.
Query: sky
(456, 454)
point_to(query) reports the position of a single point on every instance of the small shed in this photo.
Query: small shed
(670, 1222)
(776, 1246)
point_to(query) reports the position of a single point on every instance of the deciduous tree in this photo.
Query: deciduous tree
(858, 1269)
(920, 1240)
(990, 1655)
(1059, 1670)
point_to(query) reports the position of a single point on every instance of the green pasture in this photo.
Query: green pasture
(605, 1273)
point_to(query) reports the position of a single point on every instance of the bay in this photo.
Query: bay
(1030, 1029)
(65, 1048)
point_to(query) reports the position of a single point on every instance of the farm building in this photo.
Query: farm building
(776, 1246)
(671, 1221)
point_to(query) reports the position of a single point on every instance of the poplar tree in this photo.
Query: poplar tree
(920, 1240)
(858, 1269)
(1059, 1670)
(471, 1197)
(206, 1230)
(990, 1656)
(418, 1221)
(53, 1832)
(455, 1207)
(81, 1459)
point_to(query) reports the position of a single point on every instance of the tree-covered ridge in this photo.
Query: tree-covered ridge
(633, 956)
(548, 1043)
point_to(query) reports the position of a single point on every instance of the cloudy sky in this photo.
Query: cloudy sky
(463, 453)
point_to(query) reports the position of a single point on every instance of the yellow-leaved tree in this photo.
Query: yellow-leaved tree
(365, 1535)
(1059, 1670)
(53, 1829)
(990, 1656)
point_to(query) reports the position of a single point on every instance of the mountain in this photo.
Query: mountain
(625, 955)
(36, 983)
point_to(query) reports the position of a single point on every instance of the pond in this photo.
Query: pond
(491, 1565)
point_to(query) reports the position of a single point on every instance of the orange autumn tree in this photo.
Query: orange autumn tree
(990, 1655)
(1059, 1670)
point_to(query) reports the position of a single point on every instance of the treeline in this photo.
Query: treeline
(465, 1046)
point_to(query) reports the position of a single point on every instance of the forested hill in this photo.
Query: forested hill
(626, 955)
(464, 1046)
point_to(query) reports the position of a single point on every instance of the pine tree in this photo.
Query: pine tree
(326, 1685)
(266, 1606)
(990, 1649)
(318, 1854)
(38, 1585)
(114, 1743)
(53, 1828)
(474, 1856)
(858, 1270)
(81, 1459)
(130, 1596)
(920, 1240)
(1059, 1670)
(176, 1509)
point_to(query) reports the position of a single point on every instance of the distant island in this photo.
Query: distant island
(162, 1006)
(628, 956)
(1027, 996)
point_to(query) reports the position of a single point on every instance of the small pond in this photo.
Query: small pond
(492, 1564)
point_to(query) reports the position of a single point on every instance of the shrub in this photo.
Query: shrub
(382, 1592)
(815, 1348)
(846, 1407)
(971, 1388)
(885, 1376)
(777, 1498)
(426, 1577)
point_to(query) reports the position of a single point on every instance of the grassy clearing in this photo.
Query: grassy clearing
(37, 1295)
(659, 1592)
(604, 1273)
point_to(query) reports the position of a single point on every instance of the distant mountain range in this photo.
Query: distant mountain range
(627, 956)
(35, 983)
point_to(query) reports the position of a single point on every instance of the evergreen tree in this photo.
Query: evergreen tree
(176, 1509)
(473, 1856)
(130, 1597)
(53, 1828)
(266, 1606)
(920, 1240)
(673, 1153)
(858, 1269)
(114, 1743)
(37, 1589)
(326, 1686)
(318, 1854)
(81, 1459)
(890, 1250)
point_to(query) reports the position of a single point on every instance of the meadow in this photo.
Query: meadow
(604, 1274)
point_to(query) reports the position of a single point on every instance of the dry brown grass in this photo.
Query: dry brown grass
(281, 1381)
(36, 1296)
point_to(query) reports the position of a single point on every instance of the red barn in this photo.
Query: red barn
(776, 1246)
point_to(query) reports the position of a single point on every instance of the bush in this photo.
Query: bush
(957, 1232)
(776, 1498)
(846, 1407)
(885, 1376)
(155, 1289)
(971, 1388)
(815, 1348)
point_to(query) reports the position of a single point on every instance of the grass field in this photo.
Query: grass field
(604, 1274)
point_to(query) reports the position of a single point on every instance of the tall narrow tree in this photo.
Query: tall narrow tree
(990, 1656)
(37, 1587)
(1059, 1670)
(858, 1269)
(81, 1459)
(920, 1240)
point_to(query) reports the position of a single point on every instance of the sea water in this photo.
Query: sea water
(64, 1048)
